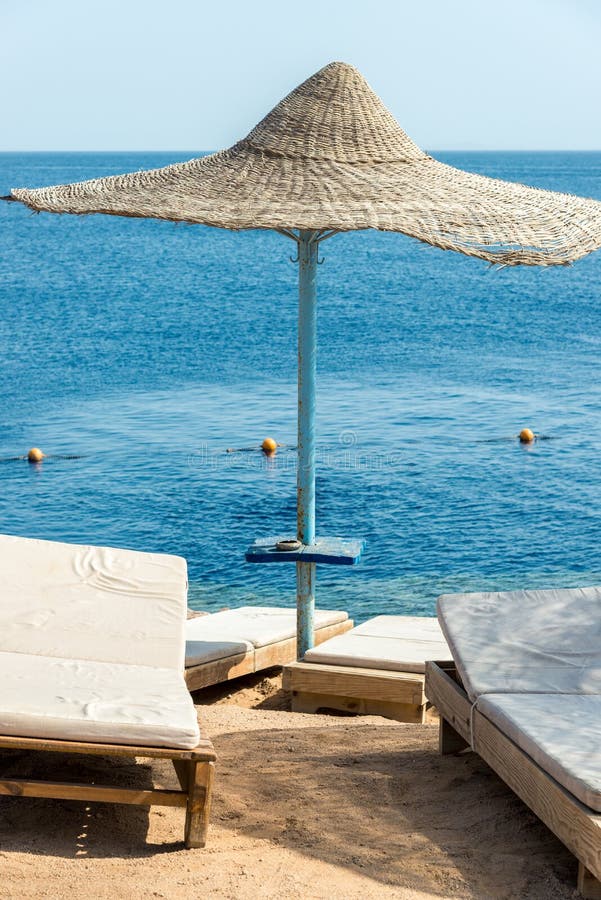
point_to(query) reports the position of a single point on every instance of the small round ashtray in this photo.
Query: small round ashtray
(287, 546)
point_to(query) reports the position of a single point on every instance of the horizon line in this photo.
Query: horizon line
(438, 150)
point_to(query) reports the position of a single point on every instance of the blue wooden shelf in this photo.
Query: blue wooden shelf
(333, 551)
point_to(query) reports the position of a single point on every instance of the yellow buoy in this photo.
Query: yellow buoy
(526, 436)
(269, 446)
(35, 455)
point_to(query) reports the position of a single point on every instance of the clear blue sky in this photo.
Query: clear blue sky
(196, 75)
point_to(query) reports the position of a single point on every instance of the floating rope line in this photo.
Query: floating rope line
(45, 456)
(515, 437)
(266, 449)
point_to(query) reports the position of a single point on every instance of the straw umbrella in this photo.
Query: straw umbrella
(331, 158)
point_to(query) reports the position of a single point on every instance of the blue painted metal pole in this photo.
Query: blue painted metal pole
(305, 479)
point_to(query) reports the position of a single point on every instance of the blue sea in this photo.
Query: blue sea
(147, 349)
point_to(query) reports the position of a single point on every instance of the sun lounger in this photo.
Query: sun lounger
(524, 692)
(236, 642)
(377, 668)
(91, 660)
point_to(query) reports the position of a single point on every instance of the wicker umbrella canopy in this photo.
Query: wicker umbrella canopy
(331, 156)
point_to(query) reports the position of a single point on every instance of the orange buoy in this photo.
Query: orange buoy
(269, 446)
(35, 455)
(526, 436)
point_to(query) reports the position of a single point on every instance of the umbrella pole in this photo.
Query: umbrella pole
(305, 479)
(335, 551)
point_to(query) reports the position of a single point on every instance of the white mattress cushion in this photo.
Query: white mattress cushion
(257, 626)
(94, 603)
(418, 628)
(100, 702)
(199, 652)
(561, 732)
(525, 641)
(390, 643)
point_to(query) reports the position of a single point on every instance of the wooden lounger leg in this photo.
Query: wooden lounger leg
(199, 783)
(449, 740)
(181, 767)
(588, 885)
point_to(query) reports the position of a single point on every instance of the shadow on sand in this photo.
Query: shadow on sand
(384, 803)
(68, 828)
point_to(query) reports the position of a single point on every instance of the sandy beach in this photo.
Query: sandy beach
(305, 806)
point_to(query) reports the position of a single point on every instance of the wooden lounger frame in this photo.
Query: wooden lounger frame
(256, 659)
(575, 825)
(395, 695)
(194, 770)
